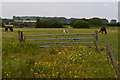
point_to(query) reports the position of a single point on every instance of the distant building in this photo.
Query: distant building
(113, 21)
(23, 19)
(8, 22)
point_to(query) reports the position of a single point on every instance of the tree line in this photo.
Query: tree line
(60, 22)
(75, 23)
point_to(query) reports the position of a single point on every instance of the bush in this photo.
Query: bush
(114, 24)
(48, 24)
(80, 24)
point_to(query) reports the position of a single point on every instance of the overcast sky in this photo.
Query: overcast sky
(59, 0)
(107, 10)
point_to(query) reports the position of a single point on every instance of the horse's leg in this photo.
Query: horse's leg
(105, 32)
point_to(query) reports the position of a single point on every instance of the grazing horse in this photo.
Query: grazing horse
(103, 29)
(11, 29)
(65, 31)
(6, 29)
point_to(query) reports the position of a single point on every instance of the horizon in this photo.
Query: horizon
(54, 16)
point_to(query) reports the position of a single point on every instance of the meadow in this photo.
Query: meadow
(27, 60)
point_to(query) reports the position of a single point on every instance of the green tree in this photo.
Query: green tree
(95, 22)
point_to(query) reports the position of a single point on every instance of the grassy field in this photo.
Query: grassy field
(26, 60)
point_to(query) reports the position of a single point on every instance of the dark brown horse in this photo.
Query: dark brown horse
(103, 29)
(6, 29)
(11, 29)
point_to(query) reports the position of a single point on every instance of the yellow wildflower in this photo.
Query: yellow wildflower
(36, 63)
(118, 62)
(7, 75)
(76, 76)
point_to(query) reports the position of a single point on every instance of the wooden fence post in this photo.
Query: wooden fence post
(96, 41)
(20, 35)
(96, 35)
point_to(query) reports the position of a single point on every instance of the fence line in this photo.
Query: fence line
(61, 39)
(64, 42)
(95, 38)
(59, 35)
(110, 55)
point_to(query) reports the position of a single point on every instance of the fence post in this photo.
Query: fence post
(96, 41)
(20, 35)
(96, 35)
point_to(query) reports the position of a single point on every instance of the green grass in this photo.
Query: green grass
(26, 60)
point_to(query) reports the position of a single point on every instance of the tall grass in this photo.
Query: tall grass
(26, 60)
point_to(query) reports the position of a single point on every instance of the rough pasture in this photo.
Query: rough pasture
(26, 60)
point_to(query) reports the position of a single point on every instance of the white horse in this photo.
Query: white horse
(65, 31)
